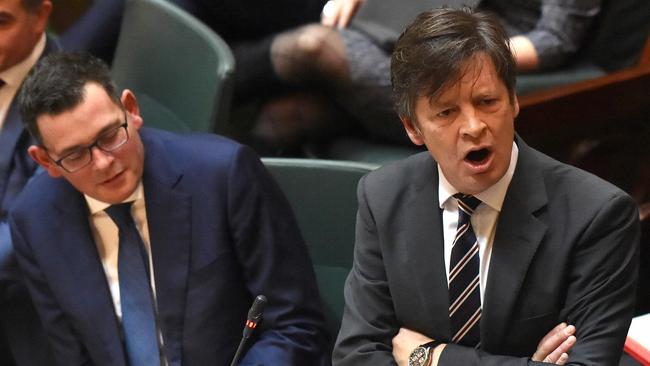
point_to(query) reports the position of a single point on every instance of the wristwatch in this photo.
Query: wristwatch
(421, 355)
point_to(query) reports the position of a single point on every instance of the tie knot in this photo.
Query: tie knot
(467, 203)
(120, 213)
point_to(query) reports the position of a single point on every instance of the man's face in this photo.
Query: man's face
(20, 30)
(469, 127)
(111, 176)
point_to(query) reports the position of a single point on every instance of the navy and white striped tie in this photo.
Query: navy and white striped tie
(464, 279)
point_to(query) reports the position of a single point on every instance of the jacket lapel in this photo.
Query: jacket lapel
(79, 251)
(518, 235)
(425, 249)
(170, 229)
(10, 134)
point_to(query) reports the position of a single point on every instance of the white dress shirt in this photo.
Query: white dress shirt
(484, 219)
(14, 76)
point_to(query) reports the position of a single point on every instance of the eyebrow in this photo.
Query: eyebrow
(440, 104)
(116, 123)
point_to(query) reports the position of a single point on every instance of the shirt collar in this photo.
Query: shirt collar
(15, 75)
(96, 206)
(493, 196)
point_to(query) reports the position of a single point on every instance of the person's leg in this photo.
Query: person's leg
(310, 63)
(351, 76)
(254, 76)
(368, 93)
(313, 53)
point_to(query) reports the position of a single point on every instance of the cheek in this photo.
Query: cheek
(6, 39)
(82, 182)
(13, 47)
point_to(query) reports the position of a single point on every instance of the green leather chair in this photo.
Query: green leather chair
(180, 70)
(322, 194)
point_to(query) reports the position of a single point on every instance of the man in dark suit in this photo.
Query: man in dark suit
(474, 257)
(213, 231)
(22, 43)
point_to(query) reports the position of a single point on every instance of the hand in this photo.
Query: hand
(339, 13)
(555, 345)
(406, 341)
(525, 53)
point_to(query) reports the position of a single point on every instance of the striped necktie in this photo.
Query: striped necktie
(138, 316)
(464, 279)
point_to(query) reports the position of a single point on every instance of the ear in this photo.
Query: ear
(516, 106)
(130, 104)
(412, 131)
(40, 156)
(42, 15)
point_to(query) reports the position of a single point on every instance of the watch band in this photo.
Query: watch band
(432, 344)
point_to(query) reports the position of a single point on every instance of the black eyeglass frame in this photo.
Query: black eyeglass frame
(96, 144)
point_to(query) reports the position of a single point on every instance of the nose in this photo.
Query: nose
(472, 125)
(101, 159)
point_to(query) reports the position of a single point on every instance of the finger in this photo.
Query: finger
(348, 9)
(563, 359)
(552, 341)
(553, 331)
(563, 348)
(330, 14)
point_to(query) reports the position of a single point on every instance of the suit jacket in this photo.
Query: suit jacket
(20, 324)
(565, 249)
(221, 232)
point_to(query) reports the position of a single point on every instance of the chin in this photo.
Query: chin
(479, 185)
(115, 196)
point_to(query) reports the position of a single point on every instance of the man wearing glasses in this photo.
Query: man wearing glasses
(151, 248)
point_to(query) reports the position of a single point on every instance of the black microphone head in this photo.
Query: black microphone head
(256, 310)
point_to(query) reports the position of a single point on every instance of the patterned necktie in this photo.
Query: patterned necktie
(138, 319)
(464, 279)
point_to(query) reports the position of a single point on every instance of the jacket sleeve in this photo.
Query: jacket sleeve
(275, 263)
(369, 322)
(561, 30)
(66, 347)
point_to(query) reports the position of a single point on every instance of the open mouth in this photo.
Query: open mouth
(477, 157)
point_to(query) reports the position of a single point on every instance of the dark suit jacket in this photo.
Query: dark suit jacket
(565, 249)
(18, 319)
(221, 232)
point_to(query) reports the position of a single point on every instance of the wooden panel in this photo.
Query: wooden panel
(553, 120)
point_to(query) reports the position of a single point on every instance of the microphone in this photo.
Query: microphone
(255, 315)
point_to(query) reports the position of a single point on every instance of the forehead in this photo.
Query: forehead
(82, 123)
(477, 74)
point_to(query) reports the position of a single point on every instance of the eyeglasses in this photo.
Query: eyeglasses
(108, 141)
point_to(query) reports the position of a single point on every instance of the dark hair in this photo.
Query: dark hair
(57, 84)
(429, 54)
(31, 5)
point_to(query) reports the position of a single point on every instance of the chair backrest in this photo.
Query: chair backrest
(180, 70)
(322, 194)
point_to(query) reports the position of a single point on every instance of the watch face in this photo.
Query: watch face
(418, 357)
